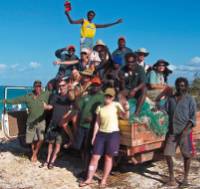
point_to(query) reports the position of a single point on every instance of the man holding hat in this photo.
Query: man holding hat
(118, 55)
(35, 125)
(66, 54)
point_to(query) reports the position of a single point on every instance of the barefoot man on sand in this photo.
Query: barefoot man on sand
(35, 125)
(181, 109)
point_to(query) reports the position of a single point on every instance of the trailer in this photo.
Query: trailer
(139, 144)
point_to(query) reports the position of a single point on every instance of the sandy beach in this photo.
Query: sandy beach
(17, 172)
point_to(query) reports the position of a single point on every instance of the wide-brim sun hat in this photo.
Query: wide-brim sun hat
(142, 51)
(161, 61)
(100, 42)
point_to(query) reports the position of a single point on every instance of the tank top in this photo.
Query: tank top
(88, 30)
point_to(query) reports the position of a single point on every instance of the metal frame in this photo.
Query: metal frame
(4, 120)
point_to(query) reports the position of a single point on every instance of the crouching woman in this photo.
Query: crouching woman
(106, 137)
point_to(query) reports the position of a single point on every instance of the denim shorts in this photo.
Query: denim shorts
(107, 143)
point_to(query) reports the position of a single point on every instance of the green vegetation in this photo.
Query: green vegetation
(195, 89)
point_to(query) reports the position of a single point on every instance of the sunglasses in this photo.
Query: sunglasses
(62, 85)
(38, 86)
(161, 65)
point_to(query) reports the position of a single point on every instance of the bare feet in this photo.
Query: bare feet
(184, 183)
(34, 158)
(102, 185)
(171, 183)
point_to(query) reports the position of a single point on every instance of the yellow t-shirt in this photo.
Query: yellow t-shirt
(109, 117)
(88, 30)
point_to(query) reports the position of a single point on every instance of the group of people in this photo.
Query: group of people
(81, 106)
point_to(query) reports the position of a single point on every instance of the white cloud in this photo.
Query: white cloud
(14, 66)
(34, 65)
(195, 61)
(3, 67)
(187, 68)
(172, 67)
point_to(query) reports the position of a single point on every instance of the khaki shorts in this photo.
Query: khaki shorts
(35, 132)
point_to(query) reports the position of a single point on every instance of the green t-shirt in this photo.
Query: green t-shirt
(133, 78)
(88, 105)
(35, 106)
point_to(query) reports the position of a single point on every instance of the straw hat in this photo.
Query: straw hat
(143, 51)
(87, 72)
(100, 42)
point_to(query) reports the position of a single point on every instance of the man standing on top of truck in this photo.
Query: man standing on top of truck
(88, 28)
(181, 109)
(35, 125)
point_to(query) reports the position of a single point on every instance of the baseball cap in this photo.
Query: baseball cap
(110, 92)
(37, 83)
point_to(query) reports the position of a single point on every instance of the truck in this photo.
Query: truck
(138, 143)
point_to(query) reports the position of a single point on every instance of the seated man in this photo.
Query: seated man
(133, 79)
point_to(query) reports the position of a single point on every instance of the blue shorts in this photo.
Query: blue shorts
(107, 143)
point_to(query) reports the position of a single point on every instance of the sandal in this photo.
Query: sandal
(45, 164)
(50, 165)
(83, 184)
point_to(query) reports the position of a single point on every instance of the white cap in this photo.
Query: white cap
(85, 50)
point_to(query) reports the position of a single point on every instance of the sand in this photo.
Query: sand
(17, 172)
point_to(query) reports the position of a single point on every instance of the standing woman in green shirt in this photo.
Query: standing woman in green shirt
(106, 136)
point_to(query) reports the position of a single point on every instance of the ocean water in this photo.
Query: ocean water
(12, 93)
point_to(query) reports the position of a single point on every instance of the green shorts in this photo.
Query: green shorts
(35, 132)
(59, 139)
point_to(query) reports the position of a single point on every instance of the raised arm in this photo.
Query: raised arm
(71, 21)
(70, 62)
(108, 25)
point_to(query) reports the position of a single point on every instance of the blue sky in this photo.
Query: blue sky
(31, 31)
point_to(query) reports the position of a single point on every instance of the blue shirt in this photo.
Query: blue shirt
(180, 113)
